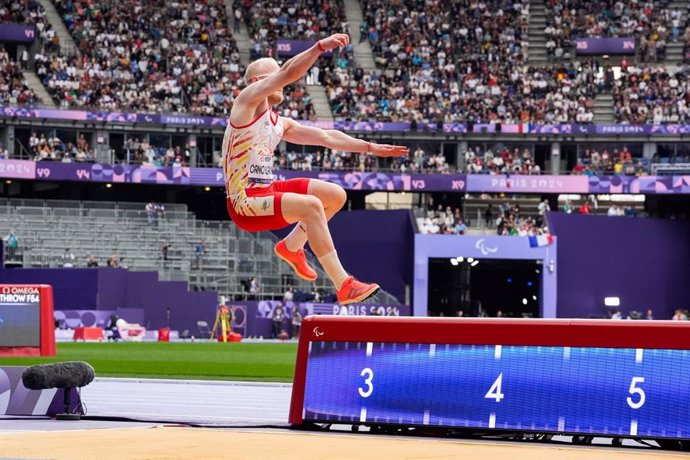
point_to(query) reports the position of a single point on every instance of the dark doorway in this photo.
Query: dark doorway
(485, 287)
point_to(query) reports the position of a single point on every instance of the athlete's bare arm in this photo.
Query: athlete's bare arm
(337, 140)
(290, 72)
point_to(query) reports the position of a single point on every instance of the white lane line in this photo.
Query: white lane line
(363, 415)
(492, 420)
(432, 350)
(370, 348)
(633, 428)
(566, 353)
(425, 421)
(497, 352)
(638, 355)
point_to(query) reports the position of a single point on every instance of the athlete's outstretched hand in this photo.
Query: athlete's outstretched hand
(386, 150)
(334, 41)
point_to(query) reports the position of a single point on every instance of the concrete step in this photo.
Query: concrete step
(67, 45)
(40, 90)
(244, 41)
(320, 101)
(364, 57)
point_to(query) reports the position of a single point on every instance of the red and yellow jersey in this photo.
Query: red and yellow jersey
(248, 156)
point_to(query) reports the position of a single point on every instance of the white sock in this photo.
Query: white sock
(297, 237)
(333, 268)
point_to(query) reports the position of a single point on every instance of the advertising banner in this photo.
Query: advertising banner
(527, 184)
(255, 318)
(290, 48)
(607, 45)
(17, 33)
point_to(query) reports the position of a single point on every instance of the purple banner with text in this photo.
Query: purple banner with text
(255, 318)
(383, 181)
(17, 33)
(608, 45)
(289, 48)
(220, 123)
(131, 174)
(527, 184)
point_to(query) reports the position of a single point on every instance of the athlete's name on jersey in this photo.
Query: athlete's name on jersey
(261, 170)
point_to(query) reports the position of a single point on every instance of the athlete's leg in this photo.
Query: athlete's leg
(309, 210)
(332, 197)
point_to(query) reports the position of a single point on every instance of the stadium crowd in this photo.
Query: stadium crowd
(652, 23)
(152, 56)
(434, 64)
(13, 87)
(592, 162)
(329, 160)
(267, 21)
(652, 94)
(503, 161)
(45, 148)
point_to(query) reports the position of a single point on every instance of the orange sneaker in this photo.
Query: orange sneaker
(297, 260)
(353, 291)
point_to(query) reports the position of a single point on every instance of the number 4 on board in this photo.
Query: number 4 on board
(495, 390)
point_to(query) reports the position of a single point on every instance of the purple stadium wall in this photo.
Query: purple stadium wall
(375, 246)
(116, 289)
(645, 262)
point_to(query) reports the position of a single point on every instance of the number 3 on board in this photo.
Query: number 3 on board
(495, 390)
(635, 390)
(368, 375)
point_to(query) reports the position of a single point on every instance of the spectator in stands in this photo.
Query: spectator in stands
(278, 320)
(11, 244)
(3, 153)
(165, 248)
(542, 209)
(585, 208)
(67, 258)
(113, 261)
(91, 261)
(151, 212)
(199, 251)
(296, 322)
(169, 57)
(568, 207)
(489, 216)
(616, 314)
(14, 89)
(289, 294)
(253, 286)
(650, 314)
(680, 315)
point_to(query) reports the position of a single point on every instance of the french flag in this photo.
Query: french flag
(539, 241)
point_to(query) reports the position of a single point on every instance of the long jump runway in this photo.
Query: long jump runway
(250, 417)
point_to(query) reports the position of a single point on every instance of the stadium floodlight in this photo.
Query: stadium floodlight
(612, 301)
(454, 262)
(475, 263)
(470, 260)
(460, 258)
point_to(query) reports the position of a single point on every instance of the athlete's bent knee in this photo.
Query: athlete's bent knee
(340, 197)
(313, 208)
